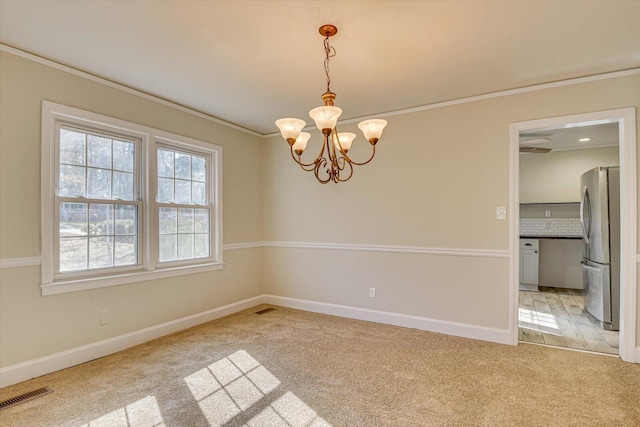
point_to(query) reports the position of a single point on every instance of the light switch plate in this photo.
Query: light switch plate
(501, 212)
(104, 317)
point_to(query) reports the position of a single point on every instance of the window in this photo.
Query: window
(100, 171)
(182, 204)
(123, 202)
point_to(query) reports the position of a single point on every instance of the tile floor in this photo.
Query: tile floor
(556, 316)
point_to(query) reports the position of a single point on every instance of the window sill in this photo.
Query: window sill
(64, 286)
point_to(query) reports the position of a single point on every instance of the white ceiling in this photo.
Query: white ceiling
(568, 138)
(252, 62)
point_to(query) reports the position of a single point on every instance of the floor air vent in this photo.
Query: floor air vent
(265, 310)
(24, 397)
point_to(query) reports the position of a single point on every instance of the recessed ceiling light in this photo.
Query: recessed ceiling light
(584, 139)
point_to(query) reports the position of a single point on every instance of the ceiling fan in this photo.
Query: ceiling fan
(530, 146)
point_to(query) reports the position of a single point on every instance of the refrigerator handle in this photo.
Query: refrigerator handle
(588, 267)
(584, 202)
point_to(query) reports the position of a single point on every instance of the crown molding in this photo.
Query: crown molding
(568, 82)
(84, 74)
(491, 95)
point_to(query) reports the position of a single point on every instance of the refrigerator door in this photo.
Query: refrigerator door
(597, 291)
(594, 215)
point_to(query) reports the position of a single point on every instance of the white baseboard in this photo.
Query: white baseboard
(637, 358)
(502, 336)
(54, 362)
(47, 364)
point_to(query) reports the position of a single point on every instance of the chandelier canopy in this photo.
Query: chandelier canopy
(332, 163)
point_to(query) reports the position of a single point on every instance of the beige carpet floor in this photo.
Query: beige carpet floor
(294, 368)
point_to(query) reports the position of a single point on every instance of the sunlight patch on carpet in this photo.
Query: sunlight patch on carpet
(235, 384)
(142, 413)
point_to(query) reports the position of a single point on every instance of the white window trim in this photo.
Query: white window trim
(138, 200)
(149, 138)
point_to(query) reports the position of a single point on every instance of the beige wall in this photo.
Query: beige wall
(32, 325)
(436, 182)
(555, 177)
(437, 179)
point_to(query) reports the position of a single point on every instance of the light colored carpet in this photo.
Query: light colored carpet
(294, 368)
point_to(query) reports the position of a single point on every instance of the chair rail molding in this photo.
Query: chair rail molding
(20, 262)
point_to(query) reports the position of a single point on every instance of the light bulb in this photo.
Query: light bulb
(345, 138)
(290, 128)
(372, 129)
(301, 142)
(326, 116)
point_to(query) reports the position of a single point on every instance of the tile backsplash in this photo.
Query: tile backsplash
(550, 227)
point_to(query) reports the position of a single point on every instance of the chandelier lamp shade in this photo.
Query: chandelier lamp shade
(332, 164)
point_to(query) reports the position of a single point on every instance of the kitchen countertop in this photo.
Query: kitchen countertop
(552, 237)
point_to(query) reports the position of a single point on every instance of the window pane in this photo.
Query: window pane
(71, 181)
(165, 190)
(199, 193)
(168, 220)
(198, 168)
(201, 245)
(99, 151)
(72, 147)
(100, 219)
(123, 155)
(73, 219)
(168, 247)
(201, 220)
(183, 166)
(122, 185)
(185, 246)
(183, 191)
(100, 252)
(99, 184)
(126, 250)
(185, 220)
(126, 219)
(165, 163)
(73, 253)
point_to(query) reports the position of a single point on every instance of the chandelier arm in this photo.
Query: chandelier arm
(342, 166)
(320, 164)
(333, 169)
(298, 160)
(309, 168)
(373, 153)
(350, 172)
(343, 162)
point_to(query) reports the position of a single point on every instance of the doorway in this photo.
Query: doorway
(625, 121)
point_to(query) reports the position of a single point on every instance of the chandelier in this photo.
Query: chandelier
(332, 163)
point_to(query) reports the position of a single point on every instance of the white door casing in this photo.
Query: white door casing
(626, 119)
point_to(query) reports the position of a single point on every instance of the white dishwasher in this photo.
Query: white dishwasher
(529, 252)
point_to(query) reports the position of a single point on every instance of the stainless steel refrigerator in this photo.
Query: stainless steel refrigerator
(600, 218)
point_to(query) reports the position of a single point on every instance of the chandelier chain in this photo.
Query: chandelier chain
(329, 52)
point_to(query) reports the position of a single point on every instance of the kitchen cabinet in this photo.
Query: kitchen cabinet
(529, 253)
(560, 263)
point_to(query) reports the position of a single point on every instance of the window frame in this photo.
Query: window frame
(161, 144)
(148, 141)
(138, 200)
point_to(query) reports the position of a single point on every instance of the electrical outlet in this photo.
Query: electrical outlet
(104, 317)
(372, 292)
(547, 213)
